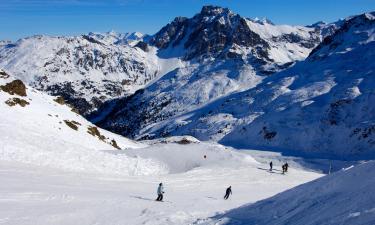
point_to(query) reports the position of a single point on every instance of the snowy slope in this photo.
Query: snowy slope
(36, 195)
(345, 197)
(42, 130)
(322, 106)
(37, 130)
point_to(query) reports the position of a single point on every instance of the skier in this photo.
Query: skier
(271, 164)
(286, 167)
(283, 167)
(228, 192)
(160, 192)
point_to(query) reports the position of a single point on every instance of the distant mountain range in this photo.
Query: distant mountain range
(218, 76)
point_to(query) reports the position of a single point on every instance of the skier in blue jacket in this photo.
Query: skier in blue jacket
(160, 192)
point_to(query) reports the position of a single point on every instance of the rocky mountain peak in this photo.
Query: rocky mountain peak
(218, 33)
(210, 33)
(210, 10)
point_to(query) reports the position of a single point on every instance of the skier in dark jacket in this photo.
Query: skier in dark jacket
(283, 167)
(160, 192)
(271, 164)
(228, 192)
(286, 167)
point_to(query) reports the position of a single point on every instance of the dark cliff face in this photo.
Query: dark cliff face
(210, 33)
(171, 34)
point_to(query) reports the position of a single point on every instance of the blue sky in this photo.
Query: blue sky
(20, 18)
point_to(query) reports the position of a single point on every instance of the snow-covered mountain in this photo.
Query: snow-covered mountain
(218, 32)
(86, 70)
(91, 69)
(114, 37)
(4, 42)
(210, 76)
(320, 106)
(223, 53)
(344, 197)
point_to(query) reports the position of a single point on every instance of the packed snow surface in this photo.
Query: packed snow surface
(35, 195)
(345, 197)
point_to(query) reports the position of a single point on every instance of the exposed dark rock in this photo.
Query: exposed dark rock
(95, 132)
(91, 39)
(184, 141)
(60, 100)
(16, 87)
(114, 144)
(3, 75)
(268, 134)
(172, 33)
(142, 45)
(295, 38)
(17, 101)
(72, 124)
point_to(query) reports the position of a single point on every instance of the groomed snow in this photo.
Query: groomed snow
(345, 197)
(36, 195)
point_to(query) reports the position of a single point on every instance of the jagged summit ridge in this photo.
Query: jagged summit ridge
(217, 32)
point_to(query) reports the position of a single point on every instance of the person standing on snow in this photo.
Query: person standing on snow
(228, 192)
(160, 192)
(286, 167)
(271, 164)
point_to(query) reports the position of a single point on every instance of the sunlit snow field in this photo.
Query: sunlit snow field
(36, 195)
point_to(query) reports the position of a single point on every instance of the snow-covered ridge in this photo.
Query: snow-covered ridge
(116, 38)
(87, 70)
